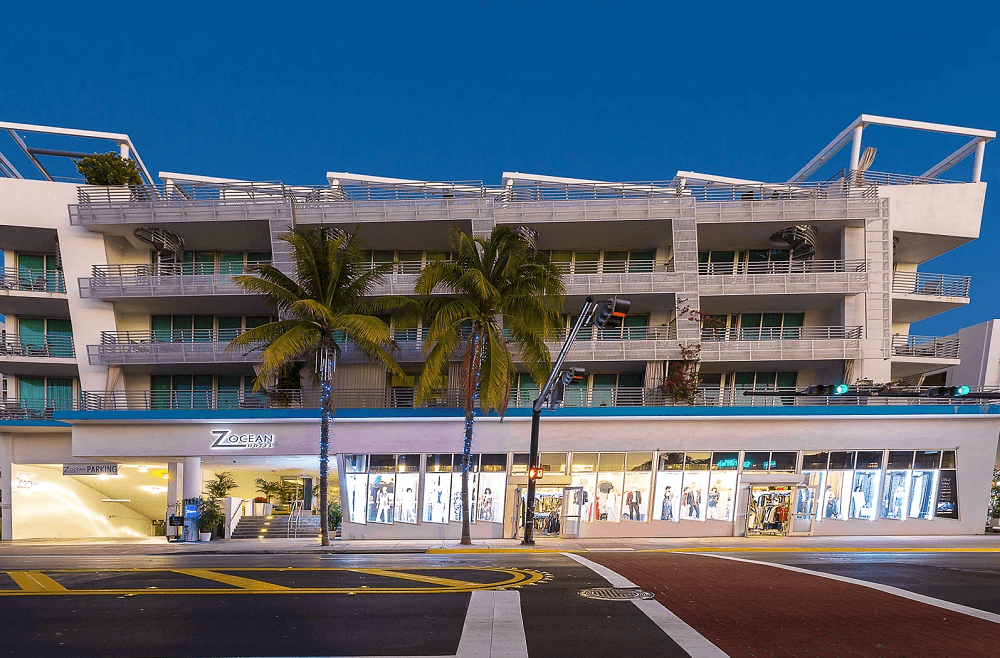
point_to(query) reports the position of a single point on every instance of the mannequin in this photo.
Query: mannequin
(667, 509)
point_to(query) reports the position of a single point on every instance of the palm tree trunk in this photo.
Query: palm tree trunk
(470, 423)
(324, 458)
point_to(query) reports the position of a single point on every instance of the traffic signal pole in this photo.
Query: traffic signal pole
(536, 414)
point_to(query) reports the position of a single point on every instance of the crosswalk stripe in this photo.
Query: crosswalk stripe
(402, 575)
(236, 581)
(35, 581)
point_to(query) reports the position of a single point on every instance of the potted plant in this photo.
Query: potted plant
(993, 513)
(217, 490)
(258, 505)
(336, 515)
(270, 489)
(209, 516)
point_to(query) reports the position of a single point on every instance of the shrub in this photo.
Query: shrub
(108, 169)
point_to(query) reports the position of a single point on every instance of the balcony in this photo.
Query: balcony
(234, 202)
(920, 295)
(783, 277)
(186, 280)
(203, 346)
(403, 398)
(33, 408)
(781, 343)
(33, 292)
(913, 355)
(620, 277)
(52, 355)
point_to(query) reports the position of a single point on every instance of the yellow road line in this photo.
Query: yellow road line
(402, 575)
(35, 581)
(237, 581)
(818, 549)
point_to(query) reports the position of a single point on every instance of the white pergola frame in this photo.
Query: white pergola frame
(853, 132)
(124, 142)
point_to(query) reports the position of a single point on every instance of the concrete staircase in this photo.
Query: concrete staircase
(277, 527)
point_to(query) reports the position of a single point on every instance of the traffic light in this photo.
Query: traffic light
(566, 377)
(948, 391)
(827, 389)
(612, 313)
(536, 473)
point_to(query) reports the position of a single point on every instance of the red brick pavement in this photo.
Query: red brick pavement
(758, 610)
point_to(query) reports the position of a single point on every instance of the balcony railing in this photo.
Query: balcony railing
(403, 398)
(783, 267)
(930, 347)
(164, 280)
(169, 346)
(780, 333)
(28, 280)
(33, 408)
(616, 267)
(52, 346)
(924, 283)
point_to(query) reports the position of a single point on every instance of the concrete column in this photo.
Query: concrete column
(977, 163)
(192, 477)
(856, 148)
(6, 487)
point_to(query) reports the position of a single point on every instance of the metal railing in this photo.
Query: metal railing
(885, 178)
(926, 347)
(166, 336)
(31, 280)
(164, 280)
(33, 408)
(780, 333)
(403, 398)
(54, 346)
(924, 283)
(616, 267)
(784, 267)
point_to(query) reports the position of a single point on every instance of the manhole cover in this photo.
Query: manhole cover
(615, 593)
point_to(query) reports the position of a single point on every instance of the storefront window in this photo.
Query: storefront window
(553, 462)
(609, 491)
(584, 462)
(843, 461)
(356, 463)
(666, 505)
(725, 461)
(588, 482)
(381, 496)
(922, 488)
(783, 461)
(836, 494)
(639, 461)
(670, 461)
(456, 488)
(720, 498)
(924, 459)
(357, 497)
(519, 466)
(869, 459)
(611, 461)
(693, 503)
(382, 464)
(697, 461)
(756, 461)
(492, 488)
(408, 464)
(812, 461)
(407, 486)
(948, 459)
(437, 491)
(895, 494)
(864, 494)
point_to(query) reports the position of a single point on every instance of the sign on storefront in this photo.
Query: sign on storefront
(226, 439)
(90, 469)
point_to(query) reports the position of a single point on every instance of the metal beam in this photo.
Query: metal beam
(27, 152)
(962, 153)
(830, 150)
(10, 171)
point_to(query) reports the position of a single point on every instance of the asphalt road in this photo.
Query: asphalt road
(420, 605)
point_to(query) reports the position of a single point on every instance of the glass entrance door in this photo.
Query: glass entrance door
(804, 510)
(571, 511)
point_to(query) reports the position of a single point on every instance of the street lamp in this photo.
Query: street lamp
(608, 314)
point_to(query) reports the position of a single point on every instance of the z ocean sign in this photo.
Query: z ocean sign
(228, 440)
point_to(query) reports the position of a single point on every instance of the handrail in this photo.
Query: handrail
(32, 280)
(33, 408)
(925, 283)
(885, 178)
(56, 346)
(170, 336)
(784, 267)
(926, 346)
(781, 333)
(140, 270)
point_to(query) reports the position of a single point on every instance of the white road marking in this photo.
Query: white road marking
(686, 637)
(947, 605)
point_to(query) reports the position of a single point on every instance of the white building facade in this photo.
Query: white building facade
(120, 302)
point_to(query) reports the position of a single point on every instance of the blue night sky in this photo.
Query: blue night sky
(465, 91)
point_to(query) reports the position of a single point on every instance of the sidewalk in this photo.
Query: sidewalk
(159, 545)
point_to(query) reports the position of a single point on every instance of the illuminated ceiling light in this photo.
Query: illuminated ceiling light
(144, 469)
(116, 500)
(165, 476)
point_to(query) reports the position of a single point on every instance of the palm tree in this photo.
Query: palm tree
(498, 291)
(321, 308)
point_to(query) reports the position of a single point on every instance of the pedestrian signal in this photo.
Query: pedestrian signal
(536, 473)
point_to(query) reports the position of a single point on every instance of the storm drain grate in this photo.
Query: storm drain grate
(615, 593)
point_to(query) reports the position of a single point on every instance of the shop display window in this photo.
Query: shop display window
(408, 464)
(697, 461)
(493, 487)
(815, 461)
(636, 500)
(584, 462)
(456, 488)
(783, 461)
(756, 461)
(437, 493)
(381, 496)
(896, 494)
(923, 486)
(869, 460)
(948, 459)
(553, 462)
(608, 497)
(721, 496)
(725, 461)
(356, 463)
(438, 463)
(611, 461)
(835, 496)
(693, 495)
(519, 465)
(381, 463)
(588, 483)
(357, 497)
(842, 461)
(670, 461)
(407, 488)
(666, 504)
(816, 481)
(900, 460)
(639, 461)
(864, 492)
(927, 459)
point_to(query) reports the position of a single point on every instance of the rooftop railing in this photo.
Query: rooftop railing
(783, 267)
(931, 347)
(29, 280)
(404, 398)
(924, 283)
(884, 178)
(51, 346)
